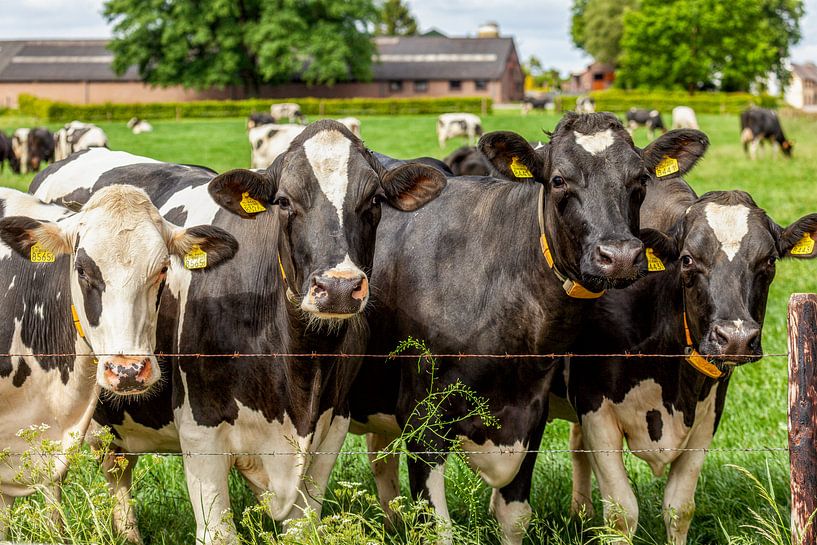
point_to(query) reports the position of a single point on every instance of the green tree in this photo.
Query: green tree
(207, 43)
(597, 25)
(694, 44)
(395, 19)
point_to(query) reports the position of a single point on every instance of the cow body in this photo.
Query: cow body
(651, 119)
(78, 136)
(269, 141)
(665, 405)
(7, 153)
(257, 119)
(468, 161)
(139, 126)
(351, 123)
(286, 405)
(475, 284)
(458, 124)
(683, 117)
(587, 105)
(544, 102)
(758, 125)
(19, 147)
(287, 110)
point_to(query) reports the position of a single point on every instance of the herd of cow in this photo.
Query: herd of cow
(584, 244)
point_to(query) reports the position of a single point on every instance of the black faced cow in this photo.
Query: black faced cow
(504, 267)
(710, 300)
(7, 154)
(468, 161)
(82, 285)
(298, 286)
(40, 148)
(757, 125)
(257, 119)
(651, 119)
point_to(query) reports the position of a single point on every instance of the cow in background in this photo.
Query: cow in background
(138, 126)
(468, 161)
(7, 154)
(40, 148)
(683, 117)
(19, 147)
(651, 119)
(538, 102)
(289, 111)
(458, 124)
(257, 119)
(758, 125)
(351, 123)
(77, 136)
(269, 141)
(585, 105)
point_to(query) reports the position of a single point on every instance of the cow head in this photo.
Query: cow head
(787, 147)
(120, 250)
(327, 190)
(723, 253)
(594, 179)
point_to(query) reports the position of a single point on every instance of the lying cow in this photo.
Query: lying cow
(7, 154)
(453, 125)
(257, 119)
(270, 141)
(651, 119)
(298, 286)
(102, 270)
(758, 125)
(468, 161)
(511, 270)
(77, 136)
(289, 111)
(710, 300)
(587, 105)
(351, 123)
(545, 102)
(683, 117)
(139, 126)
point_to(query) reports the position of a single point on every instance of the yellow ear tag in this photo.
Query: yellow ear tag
(519, 170)
(667, 166)
(250, 205)
(654, 263)
(803, 247)
(41, 255)
(196, 258)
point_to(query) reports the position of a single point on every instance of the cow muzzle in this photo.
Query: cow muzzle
(736, 341)
(128, 375)
(337, 294)
(615, 263)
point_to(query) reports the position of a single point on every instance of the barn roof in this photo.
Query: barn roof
(807, 71)
(398, 58)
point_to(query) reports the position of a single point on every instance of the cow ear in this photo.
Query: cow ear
(21, 233)
(412, 185)
(799, 240)
(512, 156)
(242, 192)
(660, 247)
(675, 152)
(200, 247)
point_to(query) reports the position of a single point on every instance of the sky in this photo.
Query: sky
(541, 27)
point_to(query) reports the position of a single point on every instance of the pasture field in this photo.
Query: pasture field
(754, 425)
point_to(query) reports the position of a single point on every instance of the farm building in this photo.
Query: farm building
(79, 71)
(597, 77)
(802, 90)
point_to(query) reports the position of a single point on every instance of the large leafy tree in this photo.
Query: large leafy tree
(395, 19)
(597, 25)
(695, 44)
(206, 43)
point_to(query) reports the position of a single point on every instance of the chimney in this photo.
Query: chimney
(488, 30)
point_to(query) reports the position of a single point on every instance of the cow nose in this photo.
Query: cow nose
(736, 338)
(620, 259)
(332, 294)
(126, 374)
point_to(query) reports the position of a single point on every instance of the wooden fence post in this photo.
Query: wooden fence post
(802, 327)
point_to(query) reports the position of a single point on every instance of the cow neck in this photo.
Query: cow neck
(571, 287)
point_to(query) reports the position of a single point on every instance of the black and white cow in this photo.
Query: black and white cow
(586, 105)
(758, 125)
(85, 285)
(269, 141)
(257, 119)
(637, 117)
(139, 126)
(7, 154)
(711, 299)
(289, 111)
(77, 136)
(298, 286)
(40, 148)
(468, 161)
(458, 124)
(503, 267)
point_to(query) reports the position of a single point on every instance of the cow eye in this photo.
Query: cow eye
(164, 270)
(687, 261)
(557, 181)
(772, 260)
(645, 179)
(282, 202)
(81, 273)
(378, 199)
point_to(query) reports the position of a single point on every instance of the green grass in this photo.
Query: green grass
(755, 415)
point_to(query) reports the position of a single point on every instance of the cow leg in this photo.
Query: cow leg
(6, 503)
(53, 499)
(679, 495)
(581, 504)
(207, 485)
(753, 147)
(602, 433)
(427, 479)
(119, 477)
(386, 472)
(510, 504)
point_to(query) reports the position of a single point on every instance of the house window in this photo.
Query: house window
(480, 84)
(598, 76)
(395, 86)
(454, 85)
(421, 86)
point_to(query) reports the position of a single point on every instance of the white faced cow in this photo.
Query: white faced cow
(85, 285)
(299, 285)
(77, 136)
(269, 141)
(458, 124)
(19, 147)
(287, 110)
(683, 117)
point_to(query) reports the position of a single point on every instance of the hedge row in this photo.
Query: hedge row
(616, 100)
(62, 111)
